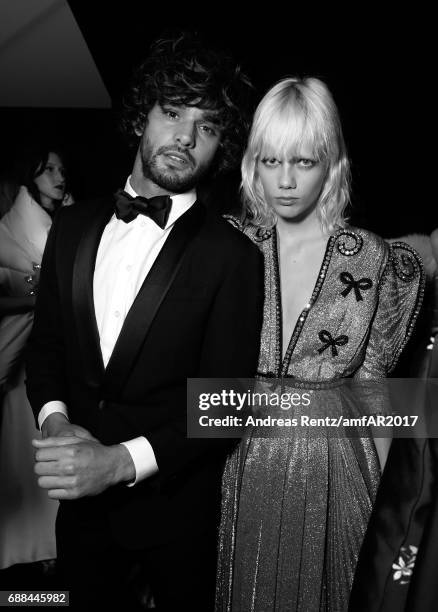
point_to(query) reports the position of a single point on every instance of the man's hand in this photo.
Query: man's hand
(57, 425)
(71, 467)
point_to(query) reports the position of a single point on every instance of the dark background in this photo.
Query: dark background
(374, 66)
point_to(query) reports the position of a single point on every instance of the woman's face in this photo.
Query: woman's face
(291, 184)
(51, 182)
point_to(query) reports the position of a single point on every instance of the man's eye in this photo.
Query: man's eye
(270, 162)
(170, 113)
(208, 130)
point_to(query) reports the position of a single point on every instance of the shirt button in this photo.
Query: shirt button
(117, 314)
(129, 268)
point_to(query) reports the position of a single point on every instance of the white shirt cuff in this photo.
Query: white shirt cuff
(50, 408)
(143, 457)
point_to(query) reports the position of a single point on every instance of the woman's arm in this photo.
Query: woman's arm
(400, 294)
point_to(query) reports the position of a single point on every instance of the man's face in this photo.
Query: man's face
(178, 146)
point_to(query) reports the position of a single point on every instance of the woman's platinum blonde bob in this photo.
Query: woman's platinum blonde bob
(296, 113)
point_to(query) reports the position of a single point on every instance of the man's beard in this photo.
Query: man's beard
(173, 181)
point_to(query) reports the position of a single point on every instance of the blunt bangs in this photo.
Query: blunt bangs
(298, 114)
(288, 129)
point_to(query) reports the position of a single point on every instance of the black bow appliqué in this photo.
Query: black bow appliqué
(326, 337)
(363, 284)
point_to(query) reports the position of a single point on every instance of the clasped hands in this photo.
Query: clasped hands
(71, 463)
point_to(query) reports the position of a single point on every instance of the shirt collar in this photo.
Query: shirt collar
(180, 202)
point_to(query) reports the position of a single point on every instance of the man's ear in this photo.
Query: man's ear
(139, 128)
(140, 125)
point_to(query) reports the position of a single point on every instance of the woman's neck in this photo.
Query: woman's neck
(47, 203)
(308, 229)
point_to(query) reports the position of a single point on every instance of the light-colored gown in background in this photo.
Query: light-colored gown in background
(295, 509)
(27, 515)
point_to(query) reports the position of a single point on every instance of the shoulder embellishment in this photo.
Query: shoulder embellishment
(349, 242)
(262, 234)
(257, 234)
(234, 221)
(406, 262)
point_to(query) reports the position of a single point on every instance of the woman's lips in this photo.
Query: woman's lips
(286, 200)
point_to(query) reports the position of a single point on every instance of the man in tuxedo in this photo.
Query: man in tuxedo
(139, 292)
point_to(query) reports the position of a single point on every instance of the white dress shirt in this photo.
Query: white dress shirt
(126, 253)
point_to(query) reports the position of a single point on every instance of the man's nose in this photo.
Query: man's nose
(186, 135)
(287, 178)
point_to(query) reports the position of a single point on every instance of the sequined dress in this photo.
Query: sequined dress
(295, 509)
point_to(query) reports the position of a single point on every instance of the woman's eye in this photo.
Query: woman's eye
(270, 162)
(304, 162)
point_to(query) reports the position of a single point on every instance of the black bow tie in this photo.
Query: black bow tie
(128, 208)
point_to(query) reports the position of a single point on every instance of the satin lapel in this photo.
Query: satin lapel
(153, 291)
(82, 294)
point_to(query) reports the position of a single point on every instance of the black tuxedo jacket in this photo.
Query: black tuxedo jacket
(198, 314)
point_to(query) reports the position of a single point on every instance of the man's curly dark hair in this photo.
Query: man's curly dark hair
(184, 72)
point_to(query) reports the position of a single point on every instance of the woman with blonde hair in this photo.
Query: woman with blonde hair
(340, 304)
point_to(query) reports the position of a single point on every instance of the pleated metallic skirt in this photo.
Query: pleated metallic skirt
(294, 513)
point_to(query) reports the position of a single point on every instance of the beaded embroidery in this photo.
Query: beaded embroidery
(302, 318)
(419, 272)
(234, 221)
(345, 240)
(406, 265)
(349, 243)
(262, 234)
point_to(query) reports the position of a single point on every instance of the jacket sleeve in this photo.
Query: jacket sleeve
(45, 354)
(230, 350)
(400, 296)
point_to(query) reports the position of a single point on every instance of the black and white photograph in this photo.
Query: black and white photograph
(197, 199)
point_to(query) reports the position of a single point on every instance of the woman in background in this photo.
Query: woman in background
(339, 305)
(27, 515)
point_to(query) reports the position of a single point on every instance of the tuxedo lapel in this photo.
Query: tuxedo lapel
(82, 293)
(153, 291)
